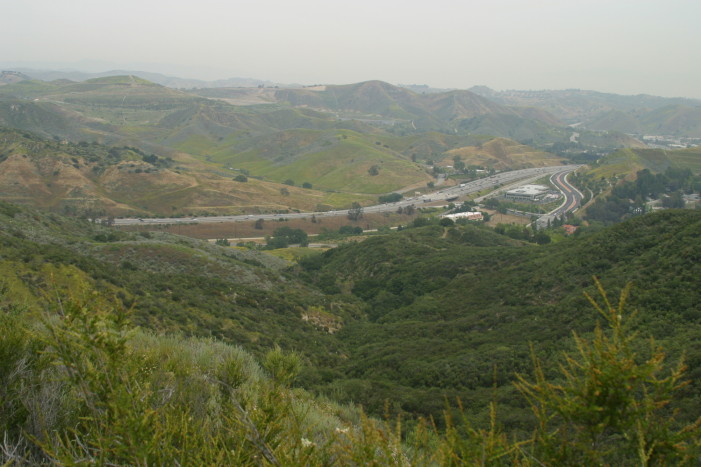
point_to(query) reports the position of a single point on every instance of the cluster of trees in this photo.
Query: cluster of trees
(427, 313)
(523, 233)
(631, 198)
(390, 198)
(87, 387)
(285, 236)
(446, 305)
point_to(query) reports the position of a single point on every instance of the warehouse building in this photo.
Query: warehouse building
(532, 193)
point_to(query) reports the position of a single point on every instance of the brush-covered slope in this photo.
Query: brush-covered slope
(90, 178)
(171, 283)
(453, 312)
(50, 119)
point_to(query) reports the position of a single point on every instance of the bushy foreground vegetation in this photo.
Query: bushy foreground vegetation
(405, 324)
(445, 306)
(79, 385)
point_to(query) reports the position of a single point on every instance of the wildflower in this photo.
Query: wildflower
(306, 443)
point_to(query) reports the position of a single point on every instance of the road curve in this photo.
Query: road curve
(440, 195)
(572, 201)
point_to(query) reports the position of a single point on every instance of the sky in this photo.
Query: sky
(619, 46)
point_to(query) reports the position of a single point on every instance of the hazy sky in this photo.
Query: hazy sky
(622, 46)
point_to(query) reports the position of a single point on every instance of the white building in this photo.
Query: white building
(527, 193)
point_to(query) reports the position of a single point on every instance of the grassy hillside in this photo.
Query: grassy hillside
(454, 110)
(90, 178)
(501, 153)
(332, 160)
(577, 105)
(675, 120)
(330, 137)
(629, 161)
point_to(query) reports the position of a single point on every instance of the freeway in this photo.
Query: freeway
(573, 198)
(440, 195)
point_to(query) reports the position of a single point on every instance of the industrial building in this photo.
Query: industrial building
(532, 193)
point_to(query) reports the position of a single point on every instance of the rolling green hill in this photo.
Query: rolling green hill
(674, 120)
(94, 179)
(629, 161)
(453, 313)
(501, 153)
(455, 110)
(330, 137)
(578, 105)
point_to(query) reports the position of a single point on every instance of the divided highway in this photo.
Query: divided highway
(440, 195)
(573, 198)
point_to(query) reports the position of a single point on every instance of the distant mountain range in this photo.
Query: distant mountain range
(634, 114)
(329, 137)
(640, 114)
(159, 78)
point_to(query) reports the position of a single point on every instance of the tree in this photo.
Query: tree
(289, 182)
(374, 170)
(355, 212)
(350, 230)
(674, 200)
(492, 203)
(241, 178)
(307, 185)
(610, 404)
(390, 198)
(258, 225)
(284, 191)
(541, 238)
(284, 236)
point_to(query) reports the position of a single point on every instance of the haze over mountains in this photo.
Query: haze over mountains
(402, 311)
(327, 137)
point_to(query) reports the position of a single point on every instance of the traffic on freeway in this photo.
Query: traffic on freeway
(573, 198)
(440, 195)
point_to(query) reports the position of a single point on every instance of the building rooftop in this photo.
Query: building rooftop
(528, 190)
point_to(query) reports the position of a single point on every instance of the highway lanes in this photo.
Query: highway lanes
(474, 186)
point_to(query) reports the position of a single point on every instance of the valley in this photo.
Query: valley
(158, 291)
